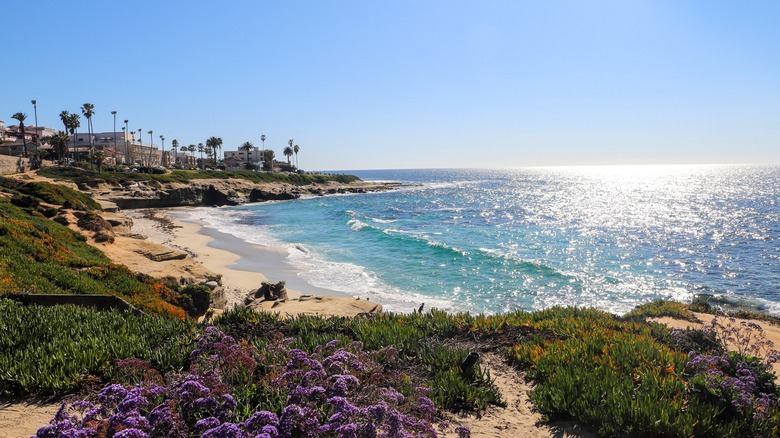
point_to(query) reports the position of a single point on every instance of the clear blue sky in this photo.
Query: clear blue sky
(411, 83)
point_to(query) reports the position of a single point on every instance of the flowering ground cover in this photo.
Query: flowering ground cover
(253, 374)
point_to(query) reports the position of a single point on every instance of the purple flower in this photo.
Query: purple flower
(226, 430)
(131, 433)
(207, 423)
(111, 396)
(347, 431)
(260, 419)
(463, 431)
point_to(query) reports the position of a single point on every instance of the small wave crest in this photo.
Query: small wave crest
(356, 281)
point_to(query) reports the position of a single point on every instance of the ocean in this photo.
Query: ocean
(498, 240)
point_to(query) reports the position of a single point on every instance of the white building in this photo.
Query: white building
(254, 155)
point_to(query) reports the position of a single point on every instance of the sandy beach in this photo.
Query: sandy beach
(240, 266)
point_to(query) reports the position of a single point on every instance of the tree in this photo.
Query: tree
(162, 154)
(214, 143)
(209, 150)
(98, 158)
(262, 138)
(113, 113)
(246, 147)
(175, 147)
(35, 109)
(21, 118)
(151, 143)
(200, 149)
(288, 151)
(88, 110)
(268, 159)
(296, 149)
(59, 142)
(126, 132)
(74, 122)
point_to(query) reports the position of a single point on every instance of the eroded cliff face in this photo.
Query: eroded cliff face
(152, 194)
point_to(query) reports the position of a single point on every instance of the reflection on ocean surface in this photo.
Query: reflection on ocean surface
(497, 240)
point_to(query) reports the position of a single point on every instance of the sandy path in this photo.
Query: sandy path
(517, 419)
(22, 418)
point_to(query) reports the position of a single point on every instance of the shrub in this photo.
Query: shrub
(660, 308)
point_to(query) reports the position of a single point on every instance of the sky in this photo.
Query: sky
(413, 84)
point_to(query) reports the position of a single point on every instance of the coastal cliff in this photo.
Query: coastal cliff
(215, 192)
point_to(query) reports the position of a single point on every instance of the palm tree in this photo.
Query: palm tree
(296, 149)
(88, 110)
(65, 117)
(21, 117)
(262, 138)
(59, 142)
(113, 113)
(74, 122)
(288, 151)
(162, 156)
(175, 147)
(214, 143)
(200, 149)
(127, 146)
(190, 148)
(246, 147)
(35, 109)
(151, 143)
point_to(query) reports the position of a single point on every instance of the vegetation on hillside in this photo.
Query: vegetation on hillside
(50, 193)
(42, 256)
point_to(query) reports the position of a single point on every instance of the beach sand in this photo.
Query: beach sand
(241, 266)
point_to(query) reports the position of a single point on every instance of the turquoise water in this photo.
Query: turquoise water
(498, 240)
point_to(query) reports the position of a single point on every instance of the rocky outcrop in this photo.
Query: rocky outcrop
(152, 194)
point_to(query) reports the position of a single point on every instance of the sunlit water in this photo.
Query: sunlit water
(499, 240)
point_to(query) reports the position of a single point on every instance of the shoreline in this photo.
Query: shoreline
(269, 262)
(242, 267)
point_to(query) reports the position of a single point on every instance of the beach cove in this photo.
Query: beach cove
(241, 266)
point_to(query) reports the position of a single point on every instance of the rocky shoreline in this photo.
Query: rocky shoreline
(215, 192)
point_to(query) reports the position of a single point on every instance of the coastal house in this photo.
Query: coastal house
(254, 156)
(11, 142)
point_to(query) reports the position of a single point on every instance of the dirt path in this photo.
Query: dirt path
(517, 419)
(22, 418)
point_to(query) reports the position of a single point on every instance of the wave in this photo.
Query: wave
(356, 281)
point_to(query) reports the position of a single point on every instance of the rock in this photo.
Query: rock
(162, 254)
(211, 284)
(258, 195)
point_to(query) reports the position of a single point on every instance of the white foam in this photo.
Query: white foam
(356, 224)
(228, 221)
(356, 281)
